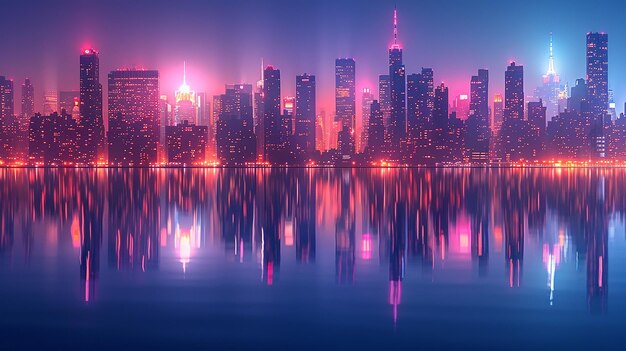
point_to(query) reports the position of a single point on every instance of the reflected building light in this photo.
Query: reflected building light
(366, 246)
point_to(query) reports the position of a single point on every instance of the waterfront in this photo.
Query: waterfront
(312, 258)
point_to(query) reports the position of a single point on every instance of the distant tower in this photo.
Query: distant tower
(498, 112)
(28, 100)
(514, 92)
(598, 73)
(305, 114)
(185, 101)
(6, 99)
(91, 144)
(271, 115)
(366, 101)
(549, 91)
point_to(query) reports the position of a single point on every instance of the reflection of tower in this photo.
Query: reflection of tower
(305, 216)
(235, 206)
(92, 209)
(596, 233)
(345, 230)
(133, 223)
(271, 205)
(514, 230)
(397, 235)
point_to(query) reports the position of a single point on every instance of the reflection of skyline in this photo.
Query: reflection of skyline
(426, 221)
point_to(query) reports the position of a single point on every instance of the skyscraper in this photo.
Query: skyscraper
(305, 114)
(271, 115)
(514, 92)
(384, 97)
(549, 91)
(479, 97)
(420, 100)
(28, 100)
(235, 140)
(397, 78)
(366, 101)
(577, 96)
(597, 102)
(597, 73)
(498, 112)
(345, 106)
(186, 108)
(91, 128)
(6, 98)
(376, 132)
(345, 101)
(134, 117)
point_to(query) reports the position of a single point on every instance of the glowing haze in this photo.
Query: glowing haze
(224, 41)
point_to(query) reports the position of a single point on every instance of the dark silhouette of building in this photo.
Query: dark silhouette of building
(376, 132)
(52, 139)
(236, 142)
(478, 132)
(305, 116)
(91, 125)
(345, 104)
(134, 117)
(384, 97)
(274, 146)
(597, 101)
(514, 92)
(186, 143)
(28, 100)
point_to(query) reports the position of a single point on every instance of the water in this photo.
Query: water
(312, 259)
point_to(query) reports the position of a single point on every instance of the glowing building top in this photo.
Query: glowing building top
(395, 44)
(551, 75)
(184, 92)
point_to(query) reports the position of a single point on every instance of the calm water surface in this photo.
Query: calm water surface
(312, 259)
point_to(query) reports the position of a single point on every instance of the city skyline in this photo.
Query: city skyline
(208, 71)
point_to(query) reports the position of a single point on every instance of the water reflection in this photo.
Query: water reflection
(480, 222)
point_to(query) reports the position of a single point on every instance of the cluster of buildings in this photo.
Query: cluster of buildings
(411, 121)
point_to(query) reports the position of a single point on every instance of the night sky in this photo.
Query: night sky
(224, 41)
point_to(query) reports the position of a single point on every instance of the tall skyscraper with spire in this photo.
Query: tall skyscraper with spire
(549, 91)
(91, 145)
(185, 109)
(397, 78)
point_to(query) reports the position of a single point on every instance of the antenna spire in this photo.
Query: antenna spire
(551, 70)
(184, 72)
(395, 26)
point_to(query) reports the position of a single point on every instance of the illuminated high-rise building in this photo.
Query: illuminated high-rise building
(165, 111)
(376, 132)
(6, 99)
(597, 101)
(384, 97)
(203, 109)
(345, 100)
(91, 145)
(498, 112)
(272, 123)
(366, 101)
(420, 99)
(514, 92)
(345, 106)
(28, 99)
(305, 114)
(597, 73)
(134, 117)
(549, 91)
(478, 132)
(235, 139)
(577, 96)
(397, 79)
(185, 109)
(258, 117)
(462, 106)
